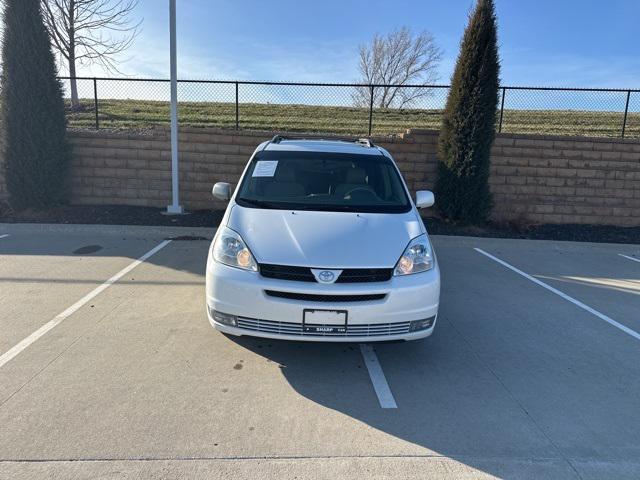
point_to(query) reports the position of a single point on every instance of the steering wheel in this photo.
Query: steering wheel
(361, 189)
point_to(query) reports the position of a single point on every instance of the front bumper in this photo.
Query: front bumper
(241, 293)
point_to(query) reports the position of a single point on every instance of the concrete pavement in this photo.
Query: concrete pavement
(516, 382)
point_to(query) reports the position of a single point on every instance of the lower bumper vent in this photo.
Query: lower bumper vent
(287, 328)
(306, 297)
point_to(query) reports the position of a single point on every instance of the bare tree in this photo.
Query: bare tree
(399, 58)
(89, 32)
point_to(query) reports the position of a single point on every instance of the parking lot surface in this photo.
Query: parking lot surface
(109, 368)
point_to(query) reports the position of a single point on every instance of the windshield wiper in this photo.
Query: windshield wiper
(254, 203)
(324, 208)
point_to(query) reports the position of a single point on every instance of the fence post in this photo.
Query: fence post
(504, 91)
(626, 111)
(237, 111)
(95, 101)
(371, 87)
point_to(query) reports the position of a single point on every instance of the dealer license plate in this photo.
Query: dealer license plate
(324, 321)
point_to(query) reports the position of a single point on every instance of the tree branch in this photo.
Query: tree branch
(400, 58)
(91, 31)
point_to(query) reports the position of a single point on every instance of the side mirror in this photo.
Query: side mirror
(424, 198)
(222, 191)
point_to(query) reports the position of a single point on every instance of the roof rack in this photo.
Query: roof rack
(366, 142)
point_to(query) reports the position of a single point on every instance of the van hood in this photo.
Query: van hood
(325, 239)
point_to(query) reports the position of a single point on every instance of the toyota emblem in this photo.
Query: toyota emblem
(326, 276)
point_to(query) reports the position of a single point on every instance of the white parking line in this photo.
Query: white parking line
(7, 356)
(380, 385)
(578, 303)
(4, 236)
(630, 258)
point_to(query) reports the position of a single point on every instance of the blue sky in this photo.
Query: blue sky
(542, 42)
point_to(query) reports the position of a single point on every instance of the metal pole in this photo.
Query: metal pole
(504, 91)
(175, 207)
(237, 112)
(95, 101)
(626, 111)
(371, 109)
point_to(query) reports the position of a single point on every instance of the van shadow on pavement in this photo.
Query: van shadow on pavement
(448, 403)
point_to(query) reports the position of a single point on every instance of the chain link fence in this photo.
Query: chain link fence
(342, 108)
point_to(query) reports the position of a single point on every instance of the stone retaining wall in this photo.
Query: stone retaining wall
(535, 179)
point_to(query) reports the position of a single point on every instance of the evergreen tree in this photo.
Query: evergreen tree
(468, 126)
(35, 149)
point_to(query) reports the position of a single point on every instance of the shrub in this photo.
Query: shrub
(35, 149)
(468, 126)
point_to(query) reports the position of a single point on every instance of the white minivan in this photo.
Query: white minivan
(321, 241)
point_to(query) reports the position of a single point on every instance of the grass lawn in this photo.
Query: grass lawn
(340, 120)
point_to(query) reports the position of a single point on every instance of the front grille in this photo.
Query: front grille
(306, 297)
(286, 272)
(287, 328)
(304, 274)
(364, 275)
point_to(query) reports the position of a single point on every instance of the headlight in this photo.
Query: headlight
(417, 257)
(230, 249)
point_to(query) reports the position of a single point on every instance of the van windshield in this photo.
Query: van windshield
(323, 181)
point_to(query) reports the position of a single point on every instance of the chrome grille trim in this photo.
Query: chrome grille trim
(288, 328)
